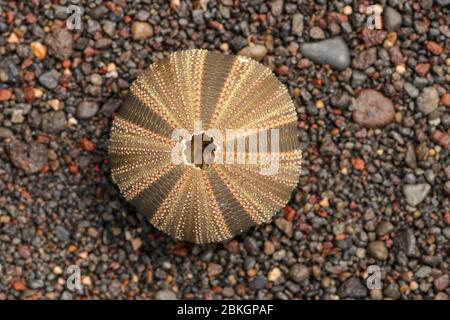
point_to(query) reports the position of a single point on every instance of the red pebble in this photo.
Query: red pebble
(29, 94)
(282, 70)
(18, 285)
(127, 19)
(445, 100)
(30, 18)
(88, 52)
(434, 48)
(441, 138)
(87, 145)
(289, 213)
(9, 17)
(340, 237)
(66, 63)
(215, 25)
(358, 164)
(73, 169)
(447, 218)
(5, 94)
(422, 69)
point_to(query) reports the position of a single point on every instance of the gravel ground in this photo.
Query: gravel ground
(374, 122)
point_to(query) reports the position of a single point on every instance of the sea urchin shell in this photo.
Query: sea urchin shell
(238, 110)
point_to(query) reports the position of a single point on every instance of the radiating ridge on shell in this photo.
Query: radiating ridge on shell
(206, 95)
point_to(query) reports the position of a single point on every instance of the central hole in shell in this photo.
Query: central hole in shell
(200, 150)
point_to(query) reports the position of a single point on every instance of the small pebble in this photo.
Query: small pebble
(141, 30)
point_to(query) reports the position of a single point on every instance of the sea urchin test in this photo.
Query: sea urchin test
(205, 145)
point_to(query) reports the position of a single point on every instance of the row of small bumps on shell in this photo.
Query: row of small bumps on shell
(223, 92)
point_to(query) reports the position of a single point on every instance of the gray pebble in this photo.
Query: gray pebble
(405, 241)
(416, 193)
(378, 250)
(353, 288)
(49, 79)
(53, 121)
(165, 294)
(87, 109)
(110, 106)
(197, 16)
(330, 51)
(340, 99)
(61, 233)
(98, 12)
(392, 291)
(297, 24)
(251, 246)
(392, 19)
(384, 227)
(428, 100)
(258, 283)
(411, 90)
(237, 43)
(66, 296)
(9, 71)
(358, 78)
(299, 273)
(423, 272)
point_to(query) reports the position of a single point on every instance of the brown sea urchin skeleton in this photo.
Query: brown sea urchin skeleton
(215, 199)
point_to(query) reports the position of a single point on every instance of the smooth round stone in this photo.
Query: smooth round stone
(373, 109)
